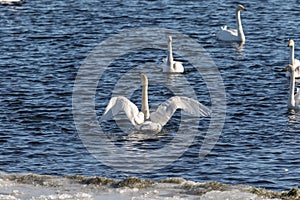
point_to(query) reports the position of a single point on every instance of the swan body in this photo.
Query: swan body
(143, 120)
(293, 100)
(293, 61)
(233, 35)
(12, 1)
(172, 66)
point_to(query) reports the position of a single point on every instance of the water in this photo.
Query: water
(44, 43)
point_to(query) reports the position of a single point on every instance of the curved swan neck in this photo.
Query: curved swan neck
(239, 25)
(291, 100)
(145, 106)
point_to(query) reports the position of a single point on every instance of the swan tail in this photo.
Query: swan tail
(166, 110)
(224, 28)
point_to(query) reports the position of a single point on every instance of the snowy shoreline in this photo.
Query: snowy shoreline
(44, 187)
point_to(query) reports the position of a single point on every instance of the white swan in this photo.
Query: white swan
(172, 66)
(293, 100)
(12, 1)
(153, 122)
(293, 61)
(233, 35)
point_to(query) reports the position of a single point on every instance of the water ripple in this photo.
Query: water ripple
(42, 48)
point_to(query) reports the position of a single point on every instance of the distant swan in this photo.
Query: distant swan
(293, 100)
(172, 66)
(294, 61)
(153, 122)
(12, 1)
(233, 35)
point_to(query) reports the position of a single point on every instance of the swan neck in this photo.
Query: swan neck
(145, 106)
(170, 57)
(291, 100)
(239, 25)
(292, 55)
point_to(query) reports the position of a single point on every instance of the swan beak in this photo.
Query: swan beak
(290, 43)
(144, 78)
(286, 69)
(243, 7)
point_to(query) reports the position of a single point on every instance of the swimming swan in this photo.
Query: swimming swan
(231, 35)
(293, 100)
(12, 1)
(172, 66)
(153, 122)
(293, 61)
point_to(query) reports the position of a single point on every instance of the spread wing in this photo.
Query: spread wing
(165, 111)
(120, 103)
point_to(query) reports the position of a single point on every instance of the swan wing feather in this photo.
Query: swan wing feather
(297, 63)
(120, 103)
(166, 110)
(233, 31)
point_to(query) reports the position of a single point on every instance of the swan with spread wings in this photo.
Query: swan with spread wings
(143, 120)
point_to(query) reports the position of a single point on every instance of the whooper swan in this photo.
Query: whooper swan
(143, 120)
(172, 66)
(233, 35)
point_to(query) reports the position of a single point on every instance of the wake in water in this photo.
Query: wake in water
(44, 187)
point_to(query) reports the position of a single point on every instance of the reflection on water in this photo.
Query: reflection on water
(294, 118)
(239, 47)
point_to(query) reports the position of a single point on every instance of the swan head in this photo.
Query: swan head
(291, 43)
(240, 7)
(170, 38)
(144, 79)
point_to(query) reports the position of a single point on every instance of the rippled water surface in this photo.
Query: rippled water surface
(44, 43)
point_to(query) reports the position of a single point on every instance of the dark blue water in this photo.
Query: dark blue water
(43, 44)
